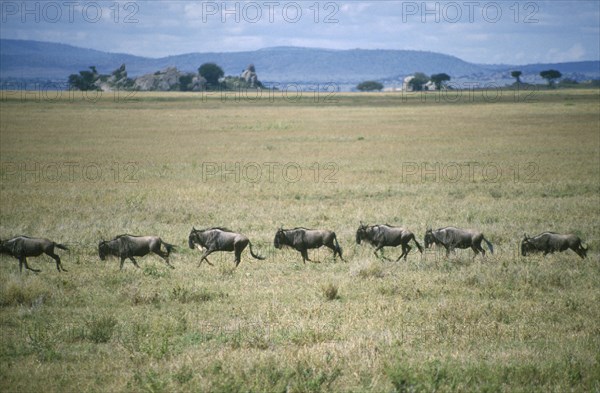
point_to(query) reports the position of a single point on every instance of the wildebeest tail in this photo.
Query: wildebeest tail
(418, 245)
(255, 256)
(61, 246)
(169, 247)
(489, 245)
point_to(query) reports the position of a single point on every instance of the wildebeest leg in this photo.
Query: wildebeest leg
(448, 250)
(134, 262)
(199, 247)
(58, 264)
(304, 255)
(382, 256)
(206, 253)
(332, 248)
(165, 256)
(333, 245)
(23, 261)
(401, 255)
(405, 250)
(475, 250)
(122, 262)
(238, 248)
(482, 251)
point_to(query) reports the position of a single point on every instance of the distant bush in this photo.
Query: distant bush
(369, 86)
(86, 80)
(212, 73)
(330, 291)
(101, 329)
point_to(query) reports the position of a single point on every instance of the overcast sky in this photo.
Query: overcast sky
(511, 32)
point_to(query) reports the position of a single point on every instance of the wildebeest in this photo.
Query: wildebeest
(22, 247)
(451, 238)
(303, 239)
(384, 235)
(129, 246)
(220, 239)
(550, 242)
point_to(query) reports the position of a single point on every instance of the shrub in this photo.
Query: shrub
(330, 291)
(100, 330)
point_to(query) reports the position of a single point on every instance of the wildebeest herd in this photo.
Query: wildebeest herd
(215, 239)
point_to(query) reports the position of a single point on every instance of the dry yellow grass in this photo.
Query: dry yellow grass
(77, 171)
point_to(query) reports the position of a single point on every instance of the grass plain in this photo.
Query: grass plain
(77, 170)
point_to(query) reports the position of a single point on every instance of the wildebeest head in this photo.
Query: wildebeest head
(103, 249)
(279, 240)
(527, 245)
(192, 239)
(429, 238)
(584, 251)
(5, 248)
(361, 233)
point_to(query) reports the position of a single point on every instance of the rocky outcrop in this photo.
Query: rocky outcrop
(249, 75)
(170, 79)
(118, 80)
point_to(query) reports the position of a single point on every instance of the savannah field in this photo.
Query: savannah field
(77, 170)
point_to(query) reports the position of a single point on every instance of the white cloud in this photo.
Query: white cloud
(574, 53)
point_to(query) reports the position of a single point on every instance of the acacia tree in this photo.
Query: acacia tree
(212, 73)
(418, 80)
(86, 80)
(439, 79)
(550, 76)
(517, 76)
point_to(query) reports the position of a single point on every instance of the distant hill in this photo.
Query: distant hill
(29, 60)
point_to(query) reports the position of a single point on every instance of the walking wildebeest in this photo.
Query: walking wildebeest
(22, 247)
(128, 246)
(549, 242)
(302, 239)
(385, 235)
(220, 239)
(451, 238)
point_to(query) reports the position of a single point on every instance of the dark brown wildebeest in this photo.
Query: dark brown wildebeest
(220, 239)
(129, 246)
(384, 235)
(452, 237)
(303, 239)
(22, 247)
(550, 242)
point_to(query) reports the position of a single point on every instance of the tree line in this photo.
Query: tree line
(420, 79)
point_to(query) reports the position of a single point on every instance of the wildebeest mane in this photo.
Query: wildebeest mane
(224, 229)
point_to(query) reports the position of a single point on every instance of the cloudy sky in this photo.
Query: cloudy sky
(511, 32)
